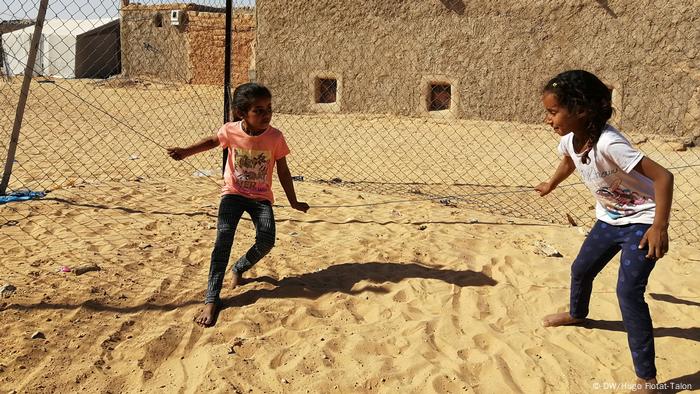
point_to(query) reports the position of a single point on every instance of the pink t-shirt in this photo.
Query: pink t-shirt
(251, 160)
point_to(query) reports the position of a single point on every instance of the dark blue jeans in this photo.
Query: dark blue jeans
(231, 209)
(601, 245)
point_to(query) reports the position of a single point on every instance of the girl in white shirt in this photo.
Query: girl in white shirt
(633, 204)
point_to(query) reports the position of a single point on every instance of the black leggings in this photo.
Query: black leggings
(231, 209)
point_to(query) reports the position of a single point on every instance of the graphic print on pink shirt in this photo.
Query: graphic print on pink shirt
(251, 169)
(251, 160)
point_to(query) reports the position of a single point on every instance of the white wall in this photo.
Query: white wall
(57, 47)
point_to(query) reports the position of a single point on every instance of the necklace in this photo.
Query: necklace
(580, 146)
(247, 130)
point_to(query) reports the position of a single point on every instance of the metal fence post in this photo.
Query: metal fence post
(24, 93)
(227, 72)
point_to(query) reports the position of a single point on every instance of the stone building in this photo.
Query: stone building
(184, 43)
(481, 59)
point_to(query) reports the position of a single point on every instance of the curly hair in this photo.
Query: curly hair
(580, 91)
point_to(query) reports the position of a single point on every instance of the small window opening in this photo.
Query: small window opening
(158, 20)
(326, 90)
(440, 97)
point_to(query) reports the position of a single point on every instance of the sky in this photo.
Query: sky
(87, 9)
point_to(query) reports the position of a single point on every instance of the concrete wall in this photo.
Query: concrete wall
(498, 55)
(151, 51)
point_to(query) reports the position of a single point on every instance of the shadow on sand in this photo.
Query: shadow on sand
(343, 277)
(336, 278)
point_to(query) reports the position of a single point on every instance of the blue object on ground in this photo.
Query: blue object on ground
(21, 195)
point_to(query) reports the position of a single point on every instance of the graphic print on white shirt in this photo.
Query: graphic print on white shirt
(622, 194)
(619, 201)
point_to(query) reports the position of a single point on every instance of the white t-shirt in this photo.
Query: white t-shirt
(623, 195)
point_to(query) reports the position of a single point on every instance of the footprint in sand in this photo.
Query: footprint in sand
(159, 350)
(400, 296)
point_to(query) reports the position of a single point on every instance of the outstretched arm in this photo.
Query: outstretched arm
(201, 146)
(657, 235)
(288, 185)
(566, 167)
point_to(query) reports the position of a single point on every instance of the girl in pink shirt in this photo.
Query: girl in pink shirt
(254, 148)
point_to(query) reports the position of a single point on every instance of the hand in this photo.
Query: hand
(544, 188)
(657, 239)
(177, 153)
(300, 206)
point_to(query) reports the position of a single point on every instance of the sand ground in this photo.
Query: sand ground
(397, 297)
(375, 289)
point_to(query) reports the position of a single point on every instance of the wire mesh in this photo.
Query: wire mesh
(93, 122)
(442, 99)
(419, 100)
(434, 100)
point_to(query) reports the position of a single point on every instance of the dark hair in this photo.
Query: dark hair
(245, 95)
(580, 91)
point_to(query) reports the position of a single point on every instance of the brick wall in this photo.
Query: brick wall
(192, 52)
(206, 47)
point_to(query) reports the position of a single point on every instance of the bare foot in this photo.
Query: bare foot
(237, 280)
(206, 317)
(645, 386)
(560, 319)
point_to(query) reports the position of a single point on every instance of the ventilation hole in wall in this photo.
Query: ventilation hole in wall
(440, 97)
(326, 90)
(158, 20)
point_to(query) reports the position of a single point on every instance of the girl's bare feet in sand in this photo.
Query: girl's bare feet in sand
(206, 317)
(560, 319)
(237, 280)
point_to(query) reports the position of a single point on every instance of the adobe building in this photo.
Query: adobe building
(480, 59)
(184, 43)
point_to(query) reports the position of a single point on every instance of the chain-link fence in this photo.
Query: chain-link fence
(442, 98)
(426, 100)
